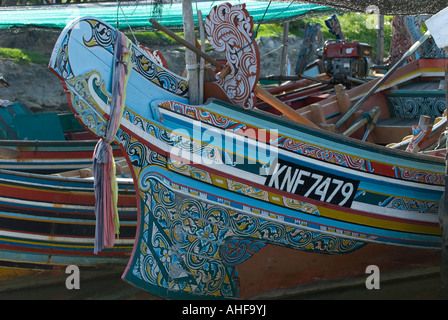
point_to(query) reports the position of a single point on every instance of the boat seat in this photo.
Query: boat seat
(7, 113)
(405, 106)
(392, 130)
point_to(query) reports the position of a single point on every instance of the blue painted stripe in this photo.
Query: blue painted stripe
(368, 181)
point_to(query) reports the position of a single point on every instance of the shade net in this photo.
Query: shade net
(137, 14)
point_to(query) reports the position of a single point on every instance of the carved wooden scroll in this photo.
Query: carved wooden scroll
(229, 30)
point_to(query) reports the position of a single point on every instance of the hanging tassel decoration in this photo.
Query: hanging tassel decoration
(105, 184)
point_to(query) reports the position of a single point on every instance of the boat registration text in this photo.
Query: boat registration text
(313, 184)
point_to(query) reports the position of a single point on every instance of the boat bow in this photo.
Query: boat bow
(218, 183)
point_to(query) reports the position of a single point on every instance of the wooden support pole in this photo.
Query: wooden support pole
(284, 49)
(185, 43)
(380, 41)
(191, 60)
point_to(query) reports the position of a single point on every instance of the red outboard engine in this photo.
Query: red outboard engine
(344, 60)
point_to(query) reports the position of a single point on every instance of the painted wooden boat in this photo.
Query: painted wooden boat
(237, 202)
(63, 145)
(49, 157)
(48, 223)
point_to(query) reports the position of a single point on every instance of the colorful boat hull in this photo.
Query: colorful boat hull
(48, 222)
(44, 142)
(49, 157)
(217, 183)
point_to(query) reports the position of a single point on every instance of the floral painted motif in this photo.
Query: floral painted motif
(103, 35)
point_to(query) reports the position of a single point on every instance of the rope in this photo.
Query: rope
(254, 36)
(127, 22)
(259, 23)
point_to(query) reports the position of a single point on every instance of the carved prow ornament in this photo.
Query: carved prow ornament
(229, 31)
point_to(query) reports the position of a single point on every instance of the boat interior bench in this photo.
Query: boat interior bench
(406, 106)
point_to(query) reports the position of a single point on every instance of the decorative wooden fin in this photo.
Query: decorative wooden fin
(334, 27)
(406, 31)
(229, 30)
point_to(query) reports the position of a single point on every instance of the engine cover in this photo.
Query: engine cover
(346, 59)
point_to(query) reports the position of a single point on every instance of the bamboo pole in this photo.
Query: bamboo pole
(261, 93)
(190, 57)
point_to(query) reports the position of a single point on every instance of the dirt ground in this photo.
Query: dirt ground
(418, 287)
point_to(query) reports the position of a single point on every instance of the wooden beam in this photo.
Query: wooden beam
(380, 41)
(282, 107)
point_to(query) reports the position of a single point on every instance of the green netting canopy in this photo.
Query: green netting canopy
(137, 14)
